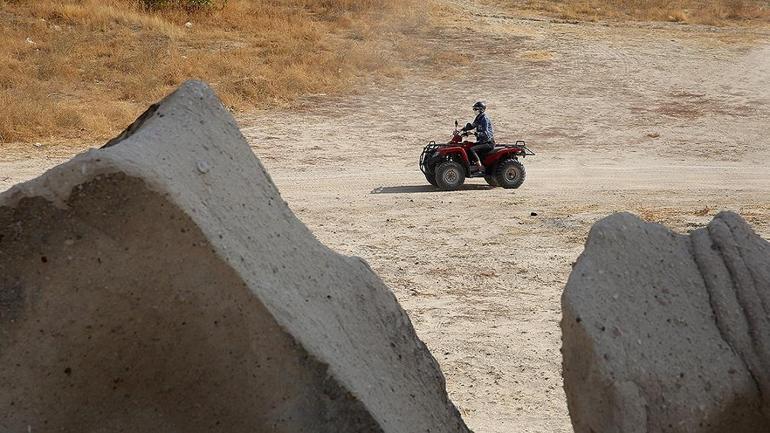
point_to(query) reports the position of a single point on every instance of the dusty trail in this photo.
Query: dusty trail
(479, 275)
(666, 121)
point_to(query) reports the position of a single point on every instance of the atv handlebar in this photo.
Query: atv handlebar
(462, 133)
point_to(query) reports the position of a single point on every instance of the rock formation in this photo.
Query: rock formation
(668, 333)
(160, 284)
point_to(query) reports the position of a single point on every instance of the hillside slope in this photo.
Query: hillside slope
(711, 12)
(85, 68)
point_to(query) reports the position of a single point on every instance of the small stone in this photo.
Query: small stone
(203, 167)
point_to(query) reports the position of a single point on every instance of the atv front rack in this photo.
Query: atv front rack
(429, 149)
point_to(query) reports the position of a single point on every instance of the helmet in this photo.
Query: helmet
(479, 106)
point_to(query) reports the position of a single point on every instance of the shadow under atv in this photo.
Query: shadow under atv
(410, 189)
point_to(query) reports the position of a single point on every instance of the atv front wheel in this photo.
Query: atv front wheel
(510, 173)
(449, 175)
(431, 177)
(491, 180)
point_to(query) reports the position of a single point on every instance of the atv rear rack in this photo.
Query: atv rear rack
(519, 144)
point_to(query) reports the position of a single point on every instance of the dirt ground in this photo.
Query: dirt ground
(663, 120)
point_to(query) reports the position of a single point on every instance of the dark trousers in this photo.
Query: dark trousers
(483, 148)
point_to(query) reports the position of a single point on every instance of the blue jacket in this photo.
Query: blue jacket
(483, 126)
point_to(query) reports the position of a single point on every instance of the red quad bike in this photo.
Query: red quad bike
(446, 165)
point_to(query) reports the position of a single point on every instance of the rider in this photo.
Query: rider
(485, 134)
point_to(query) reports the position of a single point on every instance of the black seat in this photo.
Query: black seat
(483, 153)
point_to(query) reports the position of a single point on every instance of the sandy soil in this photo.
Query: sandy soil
(667, 121)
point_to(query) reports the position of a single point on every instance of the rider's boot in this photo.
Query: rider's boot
(477, 167)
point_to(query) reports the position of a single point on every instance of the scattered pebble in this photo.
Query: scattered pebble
(203, 167)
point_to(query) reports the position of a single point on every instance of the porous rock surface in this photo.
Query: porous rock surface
(664, 332)
(160, 284)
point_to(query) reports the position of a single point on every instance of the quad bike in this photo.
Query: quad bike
(447, 165)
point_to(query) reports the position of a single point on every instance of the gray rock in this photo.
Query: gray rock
(668, 333)
(160, 284)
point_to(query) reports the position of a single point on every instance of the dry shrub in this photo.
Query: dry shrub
(85, 68)
(449, 58)
(537, 56)
(703, 212)
(654, 215)
(715, 12)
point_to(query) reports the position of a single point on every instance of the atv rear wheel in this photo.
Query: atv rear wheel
(491, 180)
(449, 175)
(510, 173)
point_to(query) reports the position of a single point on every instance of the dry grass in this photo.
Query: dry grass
(713, 12)
(85, 68)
